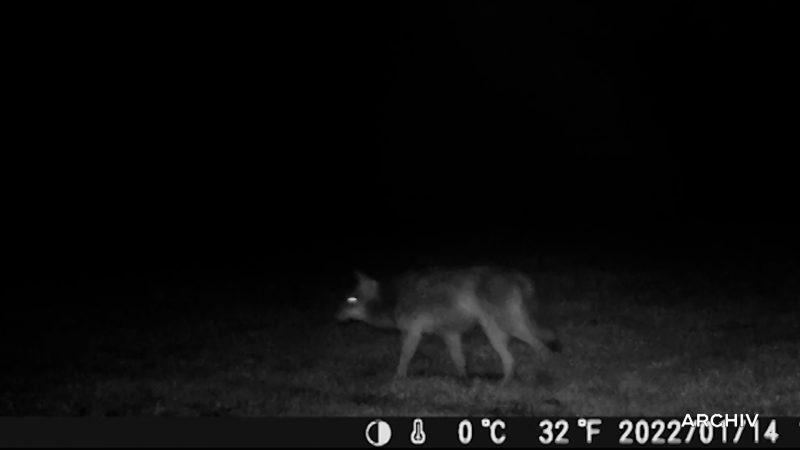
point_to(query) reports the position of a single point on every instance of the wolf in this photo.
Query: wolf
(449, 302)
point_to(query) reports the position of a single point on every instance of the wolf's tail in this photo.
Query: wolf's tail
(546, 335)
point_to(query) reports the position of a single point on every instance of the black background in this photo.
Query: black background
(292, 139)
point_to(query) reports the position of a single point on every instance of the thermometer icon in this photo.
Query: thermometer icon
(417, 436)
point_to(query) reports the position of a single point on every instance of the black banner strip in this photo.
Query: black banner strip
(397, 432)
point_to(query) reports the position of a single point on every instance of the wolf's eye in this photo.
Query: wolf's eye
(352, 300)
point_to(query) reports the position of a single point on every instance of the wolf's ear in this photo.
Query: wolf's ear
(366, 285)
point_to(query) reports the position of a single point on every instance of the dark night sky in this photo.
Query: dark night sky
(180, 137)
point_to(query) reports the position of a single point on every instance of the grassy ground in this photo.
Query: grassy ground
(636, 341)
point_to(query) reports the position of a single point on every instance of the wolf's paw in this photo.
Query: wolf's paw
(507, 379)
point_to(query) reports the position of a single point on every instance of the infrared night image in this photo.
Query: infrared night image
(381, 209)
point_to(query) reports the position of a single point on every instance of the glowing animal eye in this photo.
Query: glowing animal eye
(351, 300)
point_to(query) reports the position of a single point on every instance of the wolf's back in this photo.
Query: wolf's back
(439, 298)
(499, 287)
(455, 295)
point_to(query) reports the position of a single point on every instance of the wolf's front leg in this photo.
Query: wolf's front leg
(453, 341)
(410, 341)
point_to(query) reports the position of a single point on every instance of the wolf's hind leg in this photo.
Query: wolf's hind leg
(499, 340)
(453, 341)
(524, 329)
(410, 341)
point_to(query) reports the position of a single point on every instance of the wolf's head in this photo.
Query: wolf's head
(357, 304)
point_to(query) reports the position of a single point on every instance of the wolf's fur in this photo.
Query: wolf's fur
(448, 302)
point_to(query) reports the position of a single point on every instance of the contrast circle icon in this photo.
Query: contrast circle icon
(378, 433)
